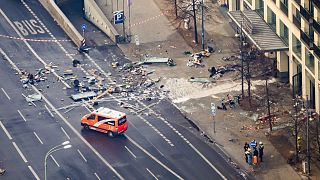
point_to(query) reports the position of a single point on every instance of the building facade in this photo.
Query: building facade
(297, 23)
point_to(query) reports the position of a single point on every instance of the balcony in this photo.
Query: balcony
(316, 50)
(316, 3)
(296, 22)
(316, 26)
(306, 40)
(284, 8)
(305, 13)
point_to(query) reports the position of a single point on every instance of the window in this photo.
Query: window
(296, 46)
(100, 118)
(284, 32)
(92, 117)
(260, 7)
(122, 120)
(271, 19)
(111, 123)
(309, 61)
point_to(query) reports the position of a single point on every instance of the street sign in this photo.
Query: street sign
(118, 17)
(213, 109)
(83, 27)
(253, 143)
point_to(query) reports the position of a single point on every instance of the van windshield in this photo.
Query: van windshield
(122, 120)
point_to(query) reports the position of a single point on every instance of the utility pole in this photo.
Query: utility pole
(248, 79)
(202, 19)
(123, 26)
(129, 27)
(241, 56)
(267, 93)
(296, 128)
(195, 23)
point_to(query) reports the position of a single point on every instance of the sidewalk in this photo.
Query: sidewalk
(159, 38)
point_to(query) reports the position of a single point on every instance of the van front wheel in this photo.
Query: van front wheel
(86, 127)
(110, 134)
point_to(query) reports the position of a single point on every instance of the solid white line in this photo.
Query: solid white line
(97, 176)
(65, 133)
(20, 153)
(5, 131)
(37, 137)
(5, 93)
(82, 155)
(22, 116)
(54, 160)
(154, 158)
(48, 110)
(28, 45)
(130, 152)
(34, 173)
(207, 161)
(12, 64)
(152, 174)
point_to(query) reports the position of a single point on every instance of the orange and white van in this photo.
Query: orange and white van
(106, 120)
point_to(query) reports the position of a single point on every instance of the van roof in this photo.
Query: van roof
(109, 112)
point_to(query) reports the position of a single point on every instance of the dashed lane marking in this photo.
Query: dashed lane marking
(5, 131)
(22, 116)
(6, 94)
(65, 132)
(130, 152)
(34, 173)
(97, 176)
(49, 110)
(82, 155)
(152, 174)
(54, 160)
(37, 137)
(20, 153)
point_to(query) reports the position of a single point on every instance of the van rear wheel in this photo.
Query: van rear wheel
(110, 134)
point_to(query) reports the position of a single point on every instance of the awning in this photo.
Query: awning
(258, 31)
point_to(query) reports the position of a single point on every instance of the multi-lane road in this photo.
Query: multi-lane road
(158, 146)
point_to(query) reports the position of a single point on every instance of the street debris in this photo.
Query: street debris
(83, 95)
(33, 97)
(157, 60)
(200, 80)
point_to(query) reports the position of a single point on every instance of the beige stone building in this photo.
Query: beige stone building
(297, 23)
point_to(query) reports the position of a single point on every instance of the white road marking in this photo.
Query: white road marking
(65, 133)
(97, 176)
(48, 110)
(37, 137)
(54, 160)
(34, 173)
(207, 161)
(5, 131)
(28, 45)
(7, 57)
(20, 153)
(5, 93)
(152, 174)
(82, 155)
(70, 126)
(22, 116)
(154, 158)
(130, 152)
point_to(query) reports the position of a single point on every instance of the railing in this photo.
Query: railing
(316, 3)
(284, 8)
(316, 50)
(297, 22)
(306, 40)
(316, 26)
(305, 13)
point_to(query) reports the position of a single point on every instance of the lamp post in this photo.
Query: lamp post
(202, 19)
(64, 145)
(295, 105)
(308, 138)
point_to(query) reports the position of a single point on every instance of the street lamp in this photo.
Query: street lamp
(64, 145)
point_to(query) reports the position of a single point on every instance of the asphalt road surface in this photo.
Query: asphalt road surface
(160, 144)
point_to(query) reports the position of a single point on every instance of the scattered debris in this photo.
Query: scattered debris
(76, 62)
(200, 80)
(33, 97)
(83, 95)
(157, 60)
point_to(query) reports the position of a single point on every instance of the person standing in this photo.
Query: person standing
(249, 154)
(261, 148)
(246, 146)
(255, 156)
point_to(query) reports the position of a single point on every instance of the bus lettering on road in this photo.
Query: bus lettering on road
(27, 27)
